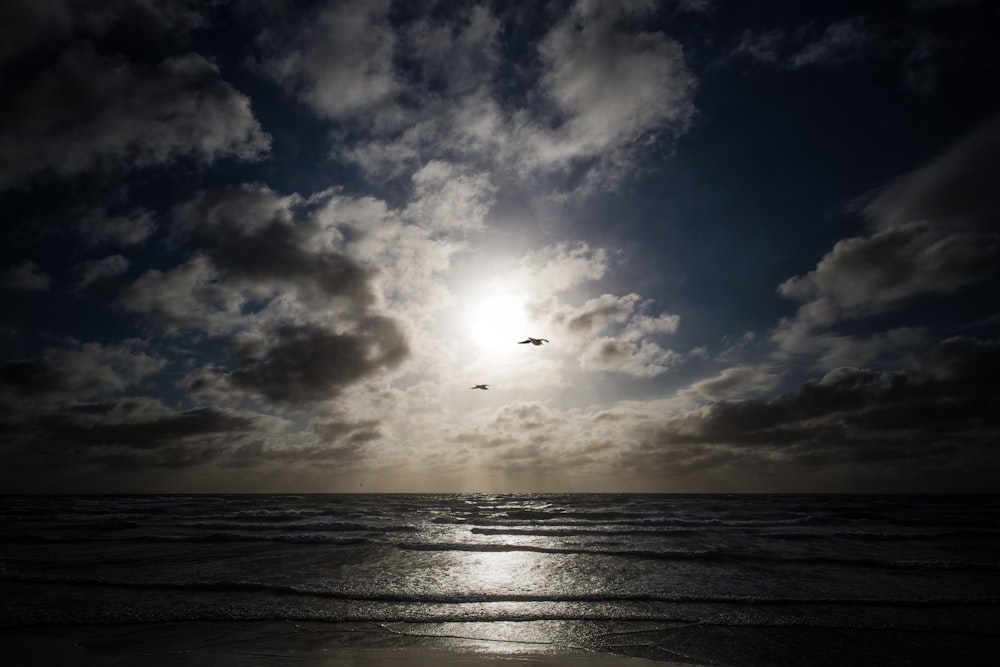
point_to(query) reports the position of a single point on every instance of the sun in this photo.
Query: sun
(498, 320)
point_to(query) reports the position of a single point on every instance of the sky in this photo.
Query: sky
(263, 246)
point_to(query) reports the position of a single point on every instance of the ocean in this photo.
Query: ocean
(719, 580)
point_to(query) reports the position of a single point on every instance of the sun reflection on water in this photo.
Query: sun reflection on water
(501, 572)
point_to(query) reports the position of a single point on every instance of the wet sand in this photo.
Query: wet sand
(230, 644)
(496, 644)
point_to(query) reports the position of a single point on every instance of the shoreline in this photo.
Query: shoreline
(272, 643)
(476, 644)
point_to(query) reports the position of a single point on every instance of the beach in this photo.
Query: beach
(511, 579)
(266, 644)
(229, 644)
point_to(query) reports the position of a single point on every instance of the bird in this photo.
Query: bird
(480, 386)
(533, 341)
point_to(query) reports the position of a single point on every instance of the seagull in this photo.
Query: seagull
(480, 386)
(533, 341)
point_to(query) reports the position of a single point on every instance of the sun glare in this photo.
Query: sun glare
(498, 320)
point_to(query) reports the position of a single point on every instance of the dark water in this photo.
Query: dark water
(725, 580)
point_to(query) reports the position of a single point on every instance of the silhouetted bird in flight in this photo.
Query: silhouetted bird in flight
(480, 386)
(533, 341)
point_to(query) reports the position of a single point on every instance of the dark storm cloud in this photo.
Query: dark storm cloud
(269, 273)
(127, 434)
(89, 111)
(296, 365)
(252, 249)
(149, 435)
(251, 236)
(62, 374)
(32, 26)
(942, 409)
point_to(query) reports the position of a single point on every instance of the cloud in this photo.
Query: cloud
(926, 42)
(86, 111)
(928, 421)
(956, 191)
(339, 60)
(640, 358)
(734, 382)
(447, 199)
(295, 365)
(252, 237)
(609, 87)
(865, 275)
(833, 46)
(631, 350)
(562, 266)
(311, 294)
(596, 314)
(840, 43)
(461, 54)
(31, 27)
(100, 272)
(25, 276)
(797, 336)
(189, 297)
(71, 373)
(934, 235)
(257, 255)
(131, 437)
(98, 228)
(590, 93)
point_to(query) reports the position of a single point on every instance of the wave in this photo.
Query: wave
(868, 536)
(562, 520)
(190, 538)
(574, 531)
(293, 538)
(230, 586)
(709, 555)
(318, 526)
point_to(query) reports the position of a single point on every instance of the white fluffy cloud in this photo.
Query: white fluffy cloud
(613, 333)
(609, 86)
(598, 90)
(562, 266)
(339, 60)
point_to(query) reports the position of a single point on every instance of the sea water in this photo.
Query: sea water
(705, 578)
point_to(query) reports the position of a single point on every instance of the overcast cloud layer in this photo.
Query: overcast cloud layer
(256, 246)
